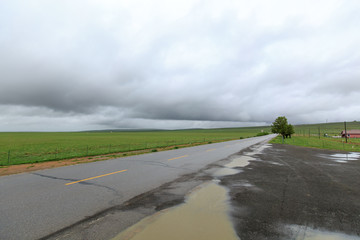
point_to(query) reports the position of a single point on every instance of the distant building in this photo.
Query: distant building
(351, 133)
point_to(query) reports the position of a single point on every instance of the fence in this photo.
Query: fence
(324, 142)
(331, 129)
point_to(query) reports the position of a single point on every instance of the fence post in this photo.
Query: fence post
(9, 157)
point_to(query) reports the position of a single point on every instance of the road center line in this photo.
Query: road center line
(96, 177)
(209, 150)
(177, 157)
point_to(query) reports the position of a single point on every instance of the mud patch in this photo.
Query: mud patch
(203, 216)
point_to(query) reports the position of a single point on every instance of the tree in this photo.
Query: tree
(279, 126)
(289, 130)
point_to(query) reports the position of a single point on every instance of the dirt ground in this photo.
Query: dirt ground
(30, 167)
(284, 192)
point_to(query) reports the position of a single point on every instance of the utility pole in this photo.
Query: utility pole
(345, 132)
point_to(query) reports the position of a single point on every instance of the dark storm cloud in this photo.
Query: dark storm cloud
(102, 64)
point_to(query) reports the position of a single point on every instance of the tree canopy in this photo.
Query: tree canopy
(281, 126)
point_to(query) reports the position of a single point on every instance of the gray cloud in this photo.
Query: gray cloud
(103, 64)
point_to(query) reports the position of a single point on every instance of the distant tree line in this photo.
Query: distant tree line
(281, 126)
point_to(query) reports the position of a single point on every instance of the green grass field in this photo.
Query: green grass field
(332, 129)
(314, 135)
(353, 145)
(30, 147)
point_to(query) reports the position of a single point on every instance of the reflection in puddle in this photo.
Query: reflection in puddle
(229, 167)
(306, 233)
(240, 162)
(342, 157)
(258, 150)
(203, 216)
(225, 172)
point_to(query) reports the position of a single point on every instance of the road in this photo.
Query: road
(35, 205)
(298, 193)
(275, 192)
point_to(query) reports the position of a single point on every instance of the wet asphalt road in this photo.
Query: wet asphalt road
(35, 205)
(290, 192)
(284, 193)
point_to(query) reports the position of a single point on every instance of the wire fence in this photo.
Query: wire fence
(36, 154)
(313, 140)
(326, 129)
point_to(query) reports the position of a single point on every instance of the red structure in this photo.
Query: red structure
(351, 133)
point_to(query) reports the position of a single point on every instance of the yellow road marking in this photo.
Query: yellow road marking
(96, 177)
(209, 150)
(177, 157)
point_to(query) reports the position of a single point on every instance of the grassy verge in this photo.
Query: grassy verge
(353, 145)
(19, 148)
(331, 129)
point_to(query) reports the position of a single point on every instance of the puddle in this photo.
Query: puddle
(228, 168)
(342, 157)
(258, 150)
(306, 233)
(202, 217)
(225, 172)
(240, 162)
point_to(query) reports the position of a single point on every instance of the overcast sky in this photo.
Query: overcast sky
(70, 65)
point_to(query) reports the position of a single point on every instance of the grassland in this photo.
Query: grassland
(353, 145)
(31, 147)
(331, 129)
(325, 136)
